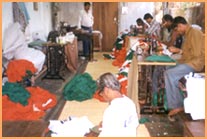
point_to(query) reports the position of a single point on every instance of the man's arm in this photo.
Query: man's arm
(172, 39)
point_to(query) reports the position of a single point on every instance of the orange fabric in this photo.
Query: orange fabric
(16, 111)
(97, 96)
(41, 96)
(120, 57)
(124, 87)
(17, 69)
(123, 84)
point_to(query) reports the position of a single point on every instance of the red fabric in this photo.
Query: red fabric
(17, 69)
(16, 111)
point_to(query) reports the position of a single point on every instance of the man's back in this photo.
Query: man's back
(120, 118)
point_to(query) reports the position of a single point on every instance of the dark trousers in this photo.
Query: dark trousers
(87, 41)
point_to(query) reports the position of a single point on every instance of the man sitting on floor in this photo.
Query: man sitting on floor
(120, 117)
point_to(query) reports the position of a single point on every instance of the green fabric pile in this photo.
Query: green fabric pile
(16, 93)
(158, 58)
(80, 88)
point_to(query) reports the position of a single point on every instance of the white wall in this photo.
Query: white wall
(135, 10)
(40, 20)
(7, 16)
(70, 12)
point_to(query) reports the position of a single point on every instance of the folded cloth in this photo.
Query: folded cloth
(159, 58)
(72, 127)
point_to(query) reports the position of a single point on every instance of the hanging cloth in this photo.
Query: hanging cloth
(20, 14)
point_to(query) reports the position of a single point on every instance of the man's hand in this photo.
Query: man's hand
(173, 49)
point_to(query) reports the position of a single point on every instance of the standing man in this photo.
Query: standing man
(192, 60)
(85, 23)
(154, 26)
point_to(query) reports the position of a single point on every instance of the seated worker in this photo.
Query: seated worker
(154, 26)
(170, 38)
(120, 117)
(85, 24)
(141, 26)
(192, 60)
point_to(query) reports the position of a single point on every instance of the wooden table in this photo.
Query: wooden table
(148, 108)
(133, 74)
(148, 63)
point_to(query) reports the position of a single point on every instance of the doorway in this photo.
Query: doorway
(104, 14)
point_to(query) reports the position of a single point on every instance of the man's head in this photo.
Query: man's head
(140, 22)
(107, 83)
(167, 21)
(148, 18)
(180, 24)
(87, 6)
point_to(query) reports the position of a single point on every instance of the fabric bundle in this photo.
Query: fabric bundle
(17, 70)
(159, 58)
(81, 87)
(39, 101)
(16, 93)
(72, 127)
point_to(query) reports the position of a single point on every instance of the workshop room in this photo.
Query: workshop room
(65, 65)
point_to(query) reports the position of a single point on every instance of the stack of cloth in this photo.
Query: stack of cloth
(195, 101)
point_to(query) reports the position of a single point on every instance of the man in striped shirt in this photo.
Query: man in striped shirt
(154, 26)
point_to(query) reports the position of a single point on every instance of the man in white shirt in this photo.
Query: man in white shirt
(85, 24)
(120, 117)
(86, 18)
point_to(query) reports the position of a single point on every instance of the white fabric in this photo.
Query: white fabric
(120, 119)
(85, 19)
(69, 37)
(195, 101)
(165, 50)
(12, 42)
(28, 36)
(15, 47)
(73, 127)
(33, 55)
